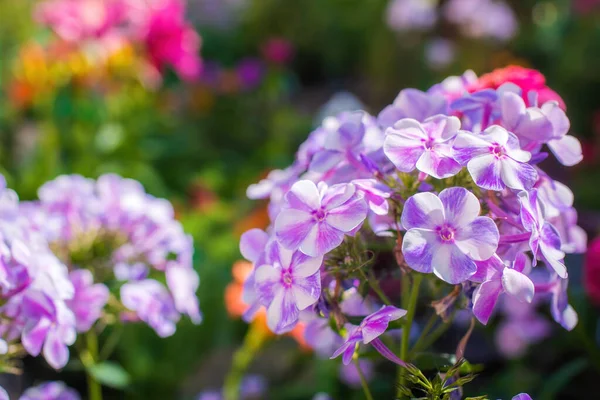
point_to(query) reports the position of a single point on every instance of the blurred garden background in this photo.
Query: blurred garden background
(254, 80)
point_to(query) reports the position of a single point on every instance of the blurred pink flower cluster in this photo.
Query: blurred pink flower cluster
(157, 27)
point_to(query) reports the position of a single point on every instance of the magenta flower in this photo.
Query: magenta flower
(495, 160)
(522, 396)
(426, 146)
(169, 39)
(290, 283)
(412, 103)
(445, 234)
(544, 239)
(369, 331)
(497, 279)
(50, 391)
(375, 193)
(315, 219)
(88, 301)
(50, 326)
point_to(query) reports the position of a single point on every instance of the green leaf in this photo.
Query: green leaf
(110, 374)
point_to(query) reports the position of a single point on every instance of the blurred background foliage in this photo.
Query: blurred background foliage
(201, 143)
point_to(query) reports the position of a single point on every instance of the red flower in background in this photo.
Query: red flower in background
(525, 78)
(591, 280)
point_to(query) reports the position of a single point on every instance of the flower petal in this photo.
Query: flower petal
(518, 285)
(437, 165)
(303, 265)
(253, 243)
(267, 282)
(55, 351)
(306, 290)
(479, 240)
(567, 150)
(451, 265)
(485, 298)
(282, 313)
(303, 195)
(461, 207)
(467, 146)
(418, 247)
(34, 335)
(486, 172)
(349, 215)
(517, 175)
(321, 239)
(423, 210)
(337, 195)
(293, 226)
(377, 323)
(402, 152)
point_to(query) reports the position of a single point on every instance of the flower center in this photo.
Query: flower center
(498, 150)
(287, 278)
(319, 214)
(428, 144)
(446, 233)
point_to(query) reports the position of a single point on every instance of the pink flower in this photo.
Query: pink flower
(77, 20)
(169, 39)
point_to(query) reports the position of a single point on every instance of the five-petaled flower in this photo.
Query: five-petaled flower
(316, 218)
(289, 283)
(446, 234)
(426, 146)
(495, 160)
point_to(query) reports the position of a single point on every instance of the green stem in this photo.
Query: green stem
(363, 381)
(376, 288)
(425, 331)
(410, 314)
(89, 359)
(111, 343)
(253, 341)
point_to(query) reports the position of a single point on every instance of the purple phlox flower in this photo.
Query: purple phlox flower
(275, 180)
(445, 234)
(495, 160)
(412, 103)
(322, 396)
(316, 218)
(210, 395)
(355, 305)
(50, 391)
(253, 245)
(454, 87)
(152, 303)
(3, 394)
(183, 283)
(544, 239)
(253, 387)
(500, 278)
(426, 146)
(291, 282)
(522, 396)
(356, 135)
(88, 301)
(382, 225)
(375, 193)
(50, 326)
(537, 125)
(369, 331)
(350, 376)
(135, 271)
(573, 238)
(403, 15)
(480, 109)
(439, 53)
(557, 197)
(15, 258)
(482, 18)
(562, 312)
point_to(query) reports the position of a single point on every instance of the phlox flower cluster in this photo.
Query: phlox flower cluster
(452, 173)
(119, 244)
(157, 27)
